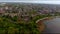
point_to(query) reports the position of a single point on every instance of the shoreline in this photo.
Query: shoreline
(41, 25)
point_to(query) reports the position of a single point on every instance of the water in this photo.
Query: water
(52, 26)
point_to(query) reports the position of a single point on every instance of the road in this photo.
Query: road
(52, 26)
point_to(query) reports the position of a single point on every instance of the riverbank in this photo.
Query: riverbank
(41, 25)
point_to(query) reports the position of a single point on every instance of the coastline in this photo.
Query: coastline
(41, 25)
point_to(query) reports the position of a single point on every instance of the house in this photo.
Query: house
(2, 11)
(26, 18)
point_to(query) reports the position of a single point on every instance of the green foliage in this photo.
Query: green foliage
(9, 25)
(14, 18)
(38, 17)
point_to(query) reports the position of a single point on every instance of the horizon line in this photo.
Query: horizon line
(39, 2)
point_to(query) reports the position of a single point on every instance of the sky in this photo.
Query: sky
(29, 0)
(34, 1)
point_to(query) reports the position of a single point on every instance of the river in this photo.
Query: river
(52, 26)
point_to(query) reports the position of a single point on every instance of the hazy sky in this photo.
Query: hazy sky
(29, 0)
(34, 1)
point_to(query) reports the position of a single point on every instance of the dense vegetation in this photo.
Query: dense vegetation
(9, 25)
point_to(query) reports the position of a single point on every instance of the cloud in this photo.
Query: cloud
(29, 0)
(34, 1)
